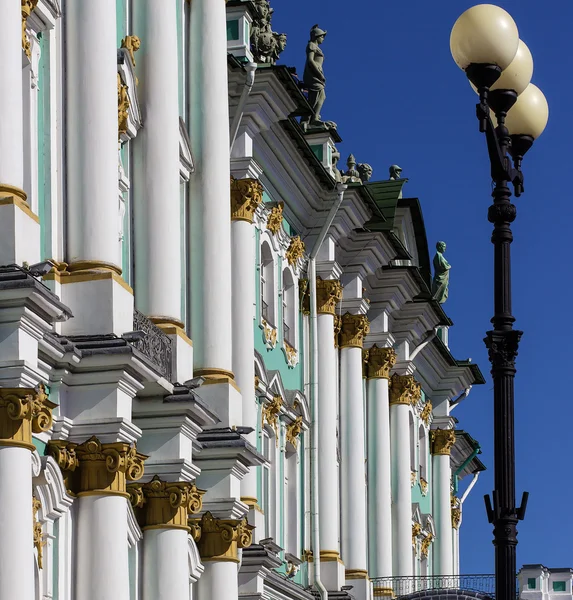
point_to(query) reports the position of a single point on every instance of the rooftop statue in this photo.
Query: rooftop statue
(395, 172)
(266, 44)
(315, 81)
(352, 175)
(337, 172)
(441, 279)
(365, 172)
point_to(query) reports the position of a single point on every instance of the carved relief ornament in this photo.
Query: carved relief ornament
(246, 195)
(442, 440)
(416, 531)
(270, 414)
(295, 250)
(293, 431)
(122, 107)
(337, 328)
(132, 44)
(456, 512)
(425, 547)
(380, 362)
(426, 413)
(220, 539)
(27, 6)
(39, 541)
(353, 330)
(24, 411)
(328, 295)
(404, 389)
(275, 218)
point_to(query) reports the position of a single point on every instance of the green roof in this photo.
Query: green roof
(386, 195)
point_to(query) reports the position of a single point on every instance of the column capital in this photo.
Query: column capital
(165, 505)
(353, 329)
(219, 539)
(295, 250)
(441, 441)
(275, 218)
(246, 195)
(328, 295)
(93, 468)
(404, 389)
(24, 411)
(380, 362)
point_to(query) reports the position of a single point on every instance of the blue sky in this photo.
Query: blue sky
(398, 97)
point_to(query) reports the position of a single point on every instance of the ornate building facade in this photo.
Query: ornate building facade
(223, 373)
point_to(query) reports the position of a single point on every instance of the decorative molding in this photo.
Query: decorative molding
(24, 411)
(293, 431)
(456, 512)
(365, 359)
(425, 547)
(27, 7)
(220, 539)
(160, 504)
(270, 415)
(291, 354)
(423, 486)
(426, 414)
(380, 362)
(269, 334)
(441, 441)
(337, 328)
(295, 250)
(413, 478)
(416, 531)
(353, 329)
(39, 541)
(156, 344)
(123, 105)
(404, 389)
(275, 218)
(304, 296)
(131, 43)
(246, 195)
(328, 295)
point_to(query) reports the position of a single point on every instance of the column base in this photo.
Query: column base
(383, 592)
(332, 571)
(222, 395)
(19, 228)
(360, 583)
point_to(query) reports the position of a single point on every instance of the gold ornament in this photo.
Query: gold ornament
(425, 547)
(304, 296)
(269, 334)
(423, 486)
(416, 531)
(426, 413)
(132, 44)
(380, 362)
(456, 512)
(291, 354)
(353, 329)
(328, 295)
(337, 328)
(27, 6)
(293, 431)
(275, 218)
(442, 440)
(295, 250)
(404, 389)
(122, 106)
(39, 541)
(246, 195)
(220, 539)
(270, 414)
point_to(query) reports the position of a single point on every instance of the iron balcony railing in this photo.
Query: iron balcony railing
(394, 587)
(156, 344)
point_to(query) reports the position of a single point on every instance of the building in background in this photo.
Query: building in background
(205, 392)
(537, 582)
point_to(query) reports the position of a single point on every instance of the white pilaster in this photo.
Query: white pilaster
(102, 550)
(165, 564)
(219, 581)
(209, 190)
(156, 152)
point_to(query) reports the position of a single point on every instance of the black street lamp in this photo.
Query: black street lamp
(485, 44)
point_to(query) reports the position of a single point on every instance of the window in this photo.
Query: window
(269, 482)
(531, 583)
(289, 308)
(267, 284)
(559, 586)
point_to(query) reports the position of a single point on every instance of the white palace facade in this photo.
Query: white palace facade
(222, 371)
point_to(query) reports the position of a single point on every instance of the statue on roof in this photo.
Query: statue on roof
(266, 44)
(441, 280)
(395, 172)
(335, 170)
(352, 175)
(365, 171)
(315, 81)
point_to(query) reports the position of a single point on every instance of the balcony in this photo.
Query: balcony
(394, 587)
(155, 344)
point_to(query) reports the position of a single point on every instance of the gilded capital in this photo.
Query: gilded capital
(295, 250)
(293, 431)
(442, 440)
(404, 389)
(160, 504)
(220, 539)
(328, 295)
(353, 329)
(380, 362)
(27, 6)
(275, 218)
(105, 468)
(24, 411)
(246, 195)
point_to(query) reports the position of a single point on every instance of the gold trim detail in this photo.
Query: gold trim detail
(356, 574)
(337, 328)
(425, 546)
(246, 195)
(12, 196)
(304, 296)
(93, 468)
(269, 334)
(365, 358)
(213, 373)
(7, 191)
(456, 511)
(175, 330)
(293, 431)
(426, 413)
(63, 277)
(353, 329)
(90, 266)
(132, 44)
(383, 592)
(27, 7)
(123, 105)
(160, 504)
(270, 415)
(404, 389)
(441, 441)
(220, 539)
(416, 531)
(291, 354)
(328, 295)
(250, 501)
(413, 478)
(24, 411)
(295, 250)
(329, 556)
(275, 218)
(380, 362)
(423, 486)
(166, 321)
(39, 541)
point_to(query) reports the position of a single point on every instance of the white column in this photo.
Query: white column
(165, 564)
(17, 549)
(353, 475)
(92, 134)
(380, 362)
(218, 582)
(441, 442)
(246, 195)
(210, 234)
(156, 175)
(102, 550)
(404, 392)
(11, 117)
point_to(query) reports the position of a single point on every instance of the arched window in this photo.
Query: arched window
(267, 284)
(289, 308)
(423, 453)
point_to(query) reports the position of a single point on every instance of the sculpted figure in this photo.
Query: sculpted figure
(395, 172)
(365, 171)
(441, 279)
(266, 44)
(313, 78)
(352, 175)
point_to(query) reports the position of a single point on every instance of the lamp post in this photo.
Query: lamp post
(485, 44)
